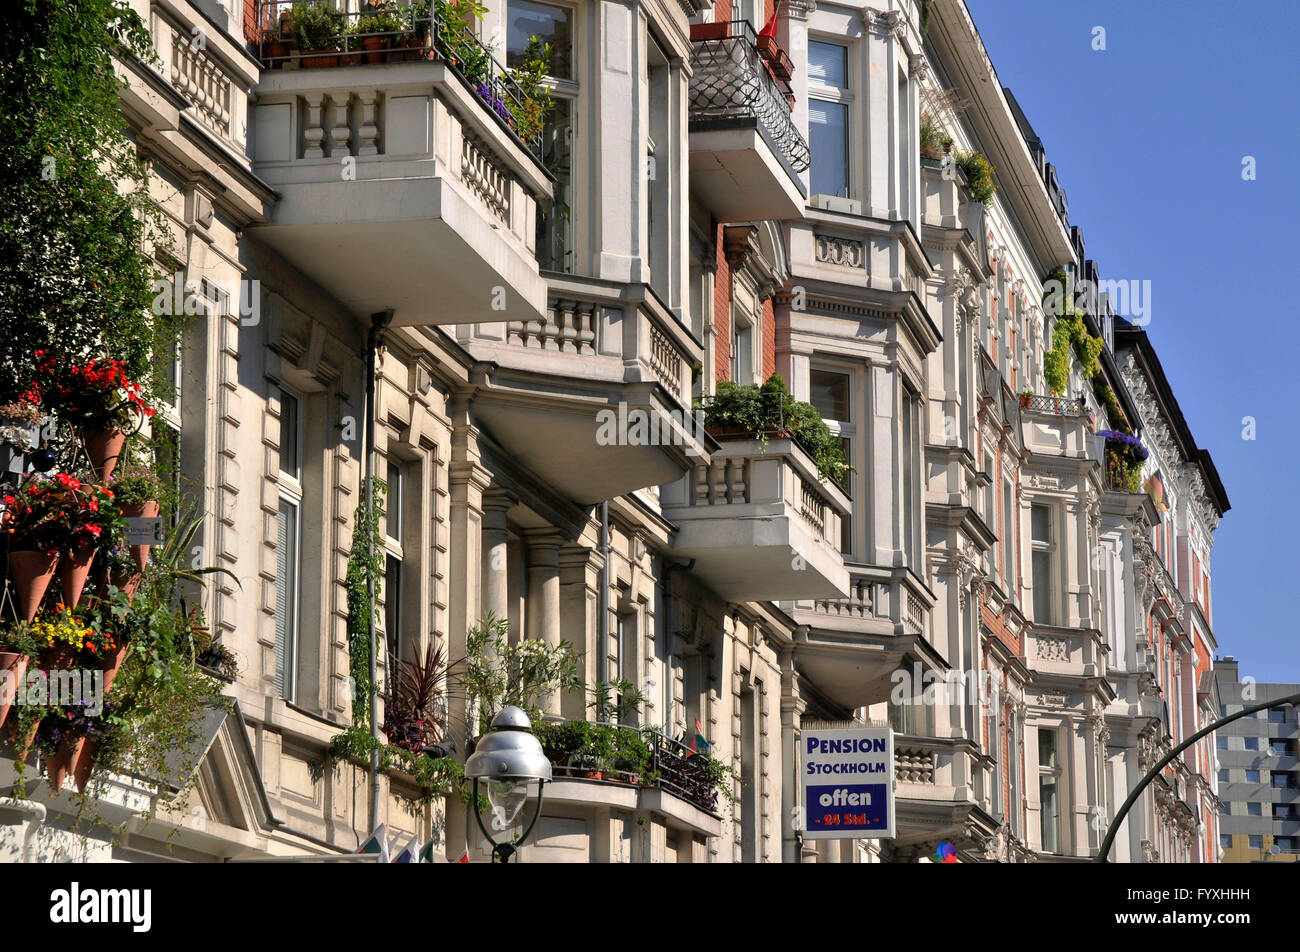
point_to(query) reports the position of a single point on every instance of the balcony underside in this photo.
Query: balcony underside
(858, 668)
(738, 176)
(761, 558)
(555, 428)
(923, 819)
(410, 244)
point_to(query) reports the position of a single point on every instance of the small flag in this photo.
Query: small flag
(377, 843)
(409, 852)
(945, 854)
(703, 745)
(426, 854)
(464, 857)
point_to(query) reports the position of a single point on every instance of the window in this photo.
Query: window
(831, 392)
(1256, 841)
(828, 118)
(1284, 811)
(742, 345)
(1282, 780)
(1049, 775)
(1252, 743)
(1008, 539)
(288, 547)
(1043, 564)
(1223, 776)
(552, 24)
(393, 570)
(1277, 716)
(1220, 742)
(1225, 840)
(1252, 776)
(1285, 843)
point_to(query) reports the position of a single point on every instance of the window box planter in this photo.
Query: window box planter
(709, 31)
(320, 59)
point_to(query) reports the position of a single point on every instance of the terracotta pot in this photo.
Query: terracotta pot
(274, 52)
(415, 47)
(58, 658)
(103, 447)
(127, 583)
(709, 31)
(32, 572)
(59, 763)
(591, 775)
(84, 763)
(319, 59)
(767, 47)
(111, 664)
(351, 56)
(23, 745)
(374, 47)
(740, 433)
(142, 510)
(13, 669)
(74, 569)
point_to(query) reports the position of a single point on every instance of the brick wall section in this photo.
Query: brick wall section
(721, 311)
(250, 21)
(769, 339)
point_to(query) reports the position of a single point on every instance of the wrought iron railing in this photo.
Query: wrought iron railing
(731, 81)
(416, 32)
(1058, 406)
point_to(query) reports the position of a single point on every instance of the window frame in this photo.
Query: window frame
(289, 492)
(1048, 547)
(841, 96)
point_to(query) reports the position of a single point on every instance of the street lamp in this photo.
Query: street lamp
(508, 758)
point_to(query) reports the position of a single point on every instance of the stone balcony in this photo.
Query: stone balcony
(594, 395)
(400, 188)
(852, 646)
(759, 523)
(1057, 426)
(746, 152)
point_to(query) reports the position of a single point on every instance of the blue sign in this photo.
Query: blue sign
(847, 780)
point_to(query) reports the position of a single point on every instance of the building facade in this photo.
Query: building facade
(1259, 771)
(721, 193)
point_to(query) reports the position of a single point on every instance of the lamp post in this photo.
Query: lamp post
(508, 759)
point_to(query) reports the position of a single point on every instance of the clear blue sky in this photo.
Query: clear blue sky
(1148, 138)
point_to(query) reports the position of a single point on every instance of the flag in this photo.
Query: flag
(945, 854)
(464, 857)
(703, 745)
(409, 852)
(377, 843)
(426, 854)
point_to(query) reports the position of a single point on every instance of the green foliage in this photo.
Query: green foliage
(615, 700)
(17, 638)
(531, 111)
(496, 673)
(384, 19)
(932, 138)
(979, 175)
(435, 776)
(365, 566)
(318, 26)
(1070, 333)
(586, 746)
(77, 227)
(771, 409)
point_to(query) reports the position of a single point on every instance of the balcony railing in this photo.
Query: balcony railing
(731, 81)
(424, 34)
(1057, 406)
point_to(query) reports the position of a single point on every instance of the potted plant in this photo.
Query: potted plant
(419, 24)
(380, 30)
(136, 492)
(319, 29)
(98, 730)
(98, 399)
(19, 432)
(28, 520)
(60, 737)
(17, 647)
(709, 31)
(78, 515)
(1026, 397)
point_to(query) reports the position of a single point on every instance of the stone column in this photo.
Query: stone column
(579, 602)
(496, 504)
(542, 618)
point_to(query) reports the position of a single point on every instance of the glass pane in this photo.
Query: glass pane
(1042, 523)
(286, 581)
(549, 24)
(288, 433)
(828, 64)
(830, 395)
(393, 610)
(554, 244)
(828, 132)
(393, 507)
(1046, 748)
(1047, 800)
(1042, 581)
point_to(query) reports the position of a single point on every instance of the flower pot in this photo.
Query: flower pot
(709, 31)
(111, 664)
(23, 745)
(274, 52)
(415, 47)
(58, 658)
(32, 572)
(352, 56)
(13, 669)
(59, 763)
(589, 774)
(320, 59)
(127, 582)
(84, 763)
(103, 447)
(74, 569)
(140, 510)
(374, 47)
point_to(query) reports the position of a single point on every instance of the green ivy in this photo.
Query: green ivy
(1071, 333)
(979, 175)
(365, 565)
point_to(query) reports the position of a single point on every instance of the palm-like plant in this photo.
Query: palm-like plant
(415, 700)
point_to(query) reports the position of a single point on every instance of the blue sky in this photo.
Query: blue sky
(1148, 138)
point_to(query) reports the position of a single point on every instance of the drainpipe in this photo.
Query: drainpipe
(33, 814)
(602, 601)
(378, 322)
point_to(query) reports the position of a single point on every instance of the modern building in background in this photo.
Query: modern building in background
(1259, 771)
(697, 210)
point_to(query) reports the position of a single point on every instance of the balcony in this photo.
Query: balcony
(852, 646)
(1056, 426)
(746, 153)
(759, 522)
(404, 183)
(594, 395)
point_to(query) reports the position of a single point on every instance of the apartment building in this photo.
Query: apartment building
(1259, 771)
(722, 192)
